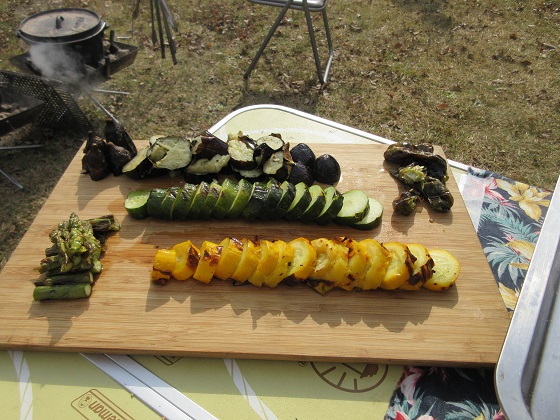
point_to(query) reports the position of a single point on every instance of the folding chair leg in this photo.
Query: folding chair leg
(267, 39)
(323, 77)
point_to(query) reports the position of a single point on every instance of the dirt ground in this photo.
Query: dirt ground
(479, 78)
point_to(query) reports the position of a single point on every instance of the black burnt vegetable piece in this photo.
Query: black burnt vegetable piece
(115, 133)
(302, 153)
(118, 158)
(95, 164)
(404, 153)
(425, 176)
(301, 173)
(207, 146)
(406, 202)
(437, 194)
(326, 169)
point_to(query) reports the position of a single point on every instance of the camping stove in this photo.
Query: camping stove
(69, 45)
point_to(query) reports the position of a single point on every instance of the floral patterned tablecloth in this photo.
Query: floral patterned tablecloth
(508, 216)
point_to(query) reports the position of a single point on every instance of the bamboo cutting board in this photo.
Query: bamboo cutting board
(127, 314)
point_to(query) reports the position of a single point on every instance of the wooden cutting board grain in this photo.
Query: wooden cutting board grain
(464, 326)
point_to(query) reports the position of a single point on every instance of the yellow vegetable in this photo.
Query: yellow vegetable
(332, 260)
(232, 250)
(283, 264)
(446, 270)
(321, 264)
(187, 256)
(357, 262)
(267, 262)
(400, 265)
(378, 262)
(209, 257)
(164, 264)
(248, 263)
(422, 268)
(304, 261)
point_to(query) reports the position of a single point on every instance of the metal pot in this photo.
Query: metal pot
(78, 32)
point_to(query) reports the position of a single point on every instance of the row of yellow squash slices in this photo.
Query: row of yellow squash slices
(322, 264)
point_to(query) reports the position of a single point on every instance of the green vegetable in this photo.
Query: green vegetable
(300, 203)
(62, 292)
(316, 205)
(75, 248)
(406, 202)
(373, 216)
(333, 203)
(354, 207)
(259, 201)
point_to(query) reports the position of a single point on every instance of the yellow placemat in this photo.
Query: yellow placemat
(62, 386)
(233, 388)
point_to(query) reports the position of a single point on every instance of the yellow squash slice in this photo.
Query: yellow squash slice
(232, 250)
(358, 259)
(400, 265)
(249, 261)
(422, 268)
(283, 265)
(267, 263)
(209, 258)
(446, 270)
(164, 264)
(332, 261)
(305, 259)
(378, 262)
(187, 260)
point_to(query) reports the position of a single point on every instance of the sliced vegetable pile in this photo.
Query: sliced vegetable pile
(230, 199)
(206, 156)
(71, 263)
(424, 174)
(103, 156)
(322, 264)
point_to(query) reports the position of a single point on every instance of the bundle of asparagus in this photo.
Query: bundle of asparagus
(71, 262)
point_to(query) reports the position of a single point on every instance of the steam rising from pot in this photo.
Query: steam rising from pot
(58, 63)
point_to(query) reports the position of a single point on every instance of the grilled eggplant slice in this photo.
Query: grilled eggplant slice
(241, 149)
(170, 153)
(205, 166)
(207, 146)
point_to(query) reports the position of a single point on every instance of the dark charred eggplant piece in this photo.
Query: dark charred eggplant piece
(301, 173)
(118, 157)
(241, 149)
(93, 139)
(95, 164)
(283, 173)
(302, 153)
(406, 202)
(208, 145)
(262, 153)
(115, 133)
(405, 153)
(326, 169)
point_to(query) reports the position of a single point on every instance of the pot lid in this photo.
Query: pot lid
(61, 25)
